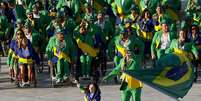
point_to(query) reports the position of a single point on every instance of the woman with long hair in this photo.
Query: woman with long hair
(92, 92)
(26, 56)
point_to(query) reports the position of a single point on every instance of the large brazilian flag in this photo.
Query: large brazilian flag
(172, 75)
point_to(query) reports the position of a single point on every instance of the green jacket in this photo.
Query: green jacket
(187, 47)
(107, 31)
(70, 48)
(136, 57)
(156, 41)
(136, 46)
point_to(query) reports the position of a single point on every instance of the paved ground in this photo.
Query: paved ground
(44, 92)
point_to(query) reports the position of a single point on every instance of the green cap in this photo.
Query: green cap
(164, 21)
(20, 21)
(87, 5)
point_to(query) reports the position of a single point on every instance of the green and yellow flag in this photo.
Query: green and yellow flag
(173, 75)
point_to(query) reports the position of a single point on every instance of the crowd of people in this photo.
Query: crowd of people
(79, 37)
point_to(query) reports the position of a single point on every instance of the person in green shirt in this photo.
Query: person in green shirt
(104, 35)
(85, 41)
(132, 60)
(105, 26)
(182, 46)
(62, 51)
(161, 40)
(35, 23)
(127, 26)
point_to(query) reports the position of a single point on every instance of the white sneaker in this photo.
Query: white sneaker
(65, 78)
(54, 78)
(58, 81)
(22, 84)
(27, 83)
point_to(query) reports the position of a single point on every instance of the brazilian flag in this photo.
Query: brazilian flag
(172, 75)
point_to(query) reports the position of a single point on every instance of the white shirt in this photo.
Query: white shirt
(165, 41)
(37, 16)
(29, 37)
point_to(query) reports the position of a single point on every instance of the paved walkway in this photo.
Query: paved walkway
(44, 92)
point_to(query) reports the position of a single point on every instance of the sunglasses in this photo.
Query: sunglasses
(193, 28)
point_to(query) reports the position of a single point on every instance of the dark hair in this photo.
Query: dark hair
(97, 89)
(196, 26)
(21, 31)
(143, 13)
